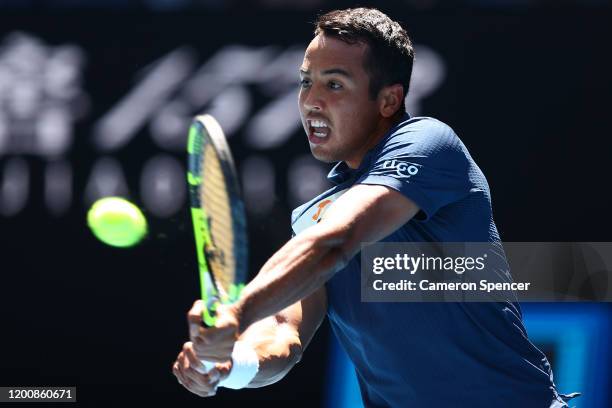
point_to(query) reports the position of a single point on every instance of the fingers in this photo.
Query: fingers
(199, 386)
(194, 361)
(197, 364)
(194, 318)
(212, 350)
(195, 313)
(177, 372)
(186, 371)
(213, 344)
(192, 364)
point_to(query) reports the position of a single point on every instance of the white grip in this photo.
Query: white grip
(208, 365)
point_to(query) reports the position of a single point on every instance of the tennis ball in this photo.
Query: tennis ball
(117, 222)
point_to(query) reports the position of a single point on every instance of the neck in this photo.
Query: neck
(377, 134)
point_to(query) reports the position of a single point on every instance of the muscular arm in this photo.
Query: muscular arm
(365, 213)
(280, 340)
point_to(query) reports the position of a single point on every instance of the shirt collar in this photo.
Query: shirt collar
(341, 172)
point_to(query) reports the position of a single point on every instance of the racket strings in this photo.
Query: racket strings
(216, 202)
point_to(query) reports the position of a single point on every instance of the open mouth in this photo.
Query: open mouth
(318, 131)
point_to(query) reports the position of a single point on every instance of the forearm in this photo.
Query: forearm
(363, 214)
(277, 346)
(298, 269)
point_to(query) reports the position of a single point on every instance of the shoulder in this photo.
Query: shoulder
(423, 139)
(424, 132)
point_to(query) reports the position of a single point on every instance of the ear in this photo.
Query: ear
(390, 100)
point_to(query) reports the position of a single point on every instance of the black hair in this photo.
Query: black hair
(390, 54)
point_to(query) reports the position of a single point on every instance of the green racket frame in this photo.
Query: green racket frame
(204, 132)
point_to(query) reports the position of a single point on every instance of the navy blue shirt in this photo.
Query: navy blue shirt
(430, 354)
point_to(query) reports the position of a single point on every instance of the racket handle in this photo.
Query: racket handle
(208, 365)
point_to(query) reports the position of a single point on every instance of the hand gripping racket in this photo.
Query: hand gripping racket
(217, 212)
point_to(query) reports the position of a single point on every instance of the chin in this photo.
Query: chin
(322, 156)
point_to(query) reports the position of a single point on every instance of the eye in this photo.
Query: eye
(304, 83)
(334, 85)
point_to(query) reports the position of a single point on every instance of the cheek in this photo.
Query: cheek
(355, 117)
(302, 111)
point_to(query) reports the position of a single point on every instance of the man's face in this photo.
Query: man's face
(337, 113)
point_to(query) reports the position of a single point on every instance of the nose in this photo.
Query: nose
(311, 99)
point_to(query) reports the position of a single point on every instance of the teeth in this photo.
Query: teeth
(318, 123)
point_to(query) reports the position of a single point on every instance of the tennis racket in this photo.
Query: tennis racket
(217, 213)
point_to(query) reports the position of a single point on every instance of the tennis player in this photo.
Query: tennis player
(398, 178)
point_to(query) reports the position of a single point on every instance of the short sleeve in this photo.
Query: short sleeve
(426, 162)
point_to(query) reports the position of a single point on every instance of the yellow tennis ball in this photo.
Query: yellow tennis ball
(117, 222)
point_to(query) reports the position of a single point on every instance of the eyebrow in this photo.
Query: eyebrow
(331, 71)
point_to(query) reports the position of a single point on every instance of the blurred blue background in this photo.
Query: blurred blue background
(575, 338)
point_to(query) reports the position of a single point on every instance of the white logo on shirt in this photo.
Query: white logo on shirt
(403, 170)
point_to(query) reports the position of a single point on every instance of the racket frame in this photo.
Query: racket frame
(202, 127)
